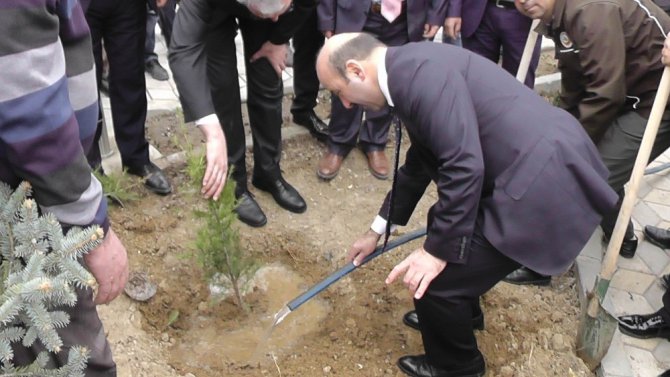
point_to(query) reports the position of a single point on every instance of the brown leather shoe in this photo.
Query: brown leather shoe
(329, 166)
(378, 164)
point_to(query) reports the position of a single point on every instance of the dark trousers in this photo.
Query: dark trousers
(307, 42)
(507, 29)
(618, 149)
(446, 310)
(85, 329)
(346, 125)
(665, 311)
(264, 96)
(165, 17)
(122, 26)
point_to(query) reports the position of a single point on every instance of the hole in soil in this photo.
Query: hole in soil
(209, 344)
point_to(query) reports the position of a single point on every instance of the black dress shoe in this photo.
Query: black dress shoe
(658, 236)
(309, 119)
(411, 319)
(156, 70)
(645, 326)
(526, 276)
(284, 194)
(249, 212)
(665, 374)
(628, 246)
(154, 178)
(417, 366)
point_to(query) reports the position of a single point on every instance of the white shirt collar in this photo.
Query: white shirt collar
(382, 77)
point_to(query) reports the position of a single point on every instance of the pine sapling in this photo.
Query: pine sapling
(217, 240)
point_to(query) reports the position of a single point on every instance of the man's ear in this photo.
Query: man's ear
(354, 70)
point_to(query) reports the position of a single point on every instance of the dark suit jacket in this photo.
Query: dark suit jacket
(346, 16)
(187, 48)
(502, 157)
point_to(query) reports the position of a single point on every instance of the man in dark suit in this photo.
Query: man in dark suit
(519, 182)
(413, 20)
(493, 29)
(122, 27)
(204, 64)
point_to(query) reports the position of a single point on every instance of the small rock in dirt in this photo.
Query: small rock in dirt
(202, 306)
(165, 337)
(556, 317)
(507, 371)
(327, 369)
(350, 323)
(558, 343)
(189, 375)
(333, 336)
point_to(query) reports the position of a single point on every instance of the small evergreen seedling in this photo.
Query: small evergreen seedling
(40, 271)
(218, 243)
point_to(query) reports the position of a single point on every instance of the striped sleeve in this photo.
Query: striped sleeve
(48, 106)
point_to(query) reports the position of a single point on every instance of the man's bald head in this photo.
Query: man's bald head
(347, 46)
(347, 66)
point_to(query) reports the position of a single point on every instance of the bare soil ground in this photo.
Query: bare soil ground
(352, 329)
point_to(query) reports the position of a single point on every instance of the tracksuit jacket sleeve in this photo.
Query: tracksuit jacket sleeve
(40, 130)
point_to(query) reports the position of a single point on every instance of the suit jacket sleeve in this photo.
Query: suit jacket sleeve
(454, 7)
(411, 183)
(598, 33)
(291, 21)
(445, 122)
(437, 12)
(188, 60)
(326, 14)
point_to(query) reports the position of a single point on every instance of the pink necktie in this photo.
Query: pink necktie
(391, 9)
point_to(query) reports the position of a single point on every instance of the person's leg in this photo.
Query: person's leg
(166, 17)
(373, 135)
(151, 64)
(124, 42)
(307, 41)
(96, 14)
(513, 28)
(150, 40)
(223, 80)
(264, 102)
(446, 310)
(85, 329)
(618, 149)
(485, 41)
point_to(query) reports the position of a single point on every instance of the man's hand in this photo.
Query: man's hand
(161, 3)
(665, 53)
(429, 31)
(452, 26)
(217, 160)
(328, 34)
(275, 54)
(420, 269)
(109, 265)
(363, 247)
